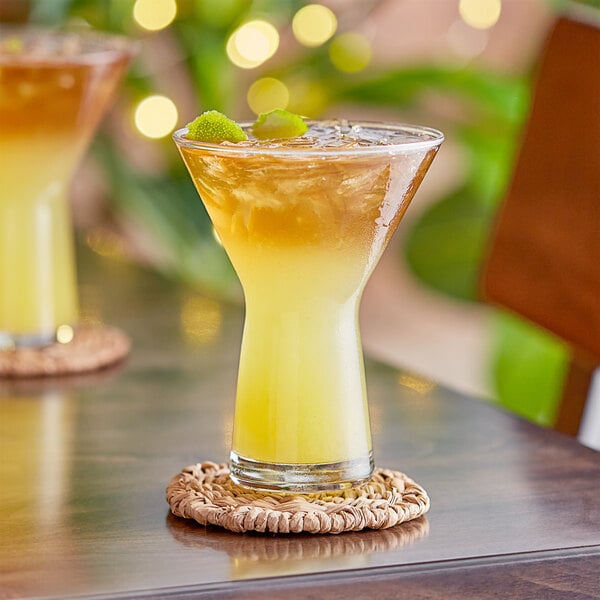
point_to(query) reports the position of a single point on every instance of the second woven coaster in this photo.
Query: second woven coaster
(91, 348)
(204, 492)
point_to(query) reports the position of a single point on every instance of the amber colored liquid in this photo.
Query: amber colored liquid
(303, 235)
(48, 111)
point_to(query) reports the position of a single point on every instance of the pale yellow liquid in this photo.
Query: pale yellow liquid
(49, 107)
(301, 389)
(303, 236)
(37, 274)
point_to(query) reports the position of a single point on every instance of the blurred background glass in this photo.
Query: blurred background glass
(463, 66)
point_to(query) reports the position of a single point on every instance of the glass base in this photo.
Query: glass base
(9, 341)
(299, 478)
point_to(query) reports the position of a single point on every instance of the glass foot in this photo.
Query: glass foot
(300, 478)
(10, 341)
(63, 335)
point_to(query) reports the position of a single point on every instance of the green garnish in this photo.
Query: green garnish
(214, 127)
(278, 123)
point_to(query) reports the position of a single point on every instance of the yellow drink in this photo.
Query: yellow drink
(53, 91)
(37, 276)
(304, 225)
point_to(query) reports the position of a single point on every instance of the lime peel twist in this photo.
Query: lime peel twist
(214, 127)
(278, 124)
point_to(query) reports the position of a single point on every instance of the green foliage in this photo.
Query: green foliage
(50, 13)
(220, 15)
(461, 222)
(446, 245)
(169, 210)
(529, 369)
(210, 70)
(498, 96)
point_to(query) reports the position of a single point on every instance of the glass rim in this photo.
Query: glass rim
(109, 44)
(437, 137)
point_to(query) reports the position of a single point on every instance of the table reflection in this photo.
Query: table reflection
(265, 555)
(38, 422)
(36, 432)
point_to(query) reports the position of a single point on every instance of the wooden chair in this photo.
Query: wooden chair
(544, 258)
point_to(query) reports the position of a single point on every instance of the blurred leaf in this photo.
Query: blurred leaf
(446, 245)
(221, 14)
(502, 96)
(53, 12)
(490, 152)
(590, 3)
(212, 73)
(110, 15)
(171, 212)
(529, 368)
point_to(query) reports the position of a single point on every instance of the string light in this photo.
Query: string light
(252, 44)
(154, 14)
(350, 52)
(480, 14)
(314, 24)
(156, 116)
(266, 94)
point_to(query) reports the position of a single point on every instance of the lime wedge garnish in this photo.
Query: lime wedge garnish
(214, 127)
(277, 124)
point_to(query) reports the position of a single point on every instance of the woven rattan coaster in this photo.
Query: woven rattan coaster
(205, 493)
(91, 348)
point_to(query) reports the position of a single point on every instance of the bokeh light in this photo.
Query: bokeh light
(156, 116)
(252, 44)
(314, 24)
(350, 52)
(105, 242)
(219, 14)
(480, 14)
(308, 97)
(418, 384)
(466, 42)
(154, 14)
(64, 334)
(267, 94)
(90, 315)
(200, 320)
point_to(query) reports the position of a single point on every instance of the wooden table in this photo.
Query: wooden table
(84, 463)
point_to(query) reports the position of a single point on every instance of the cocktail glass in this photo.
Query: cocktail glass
(54, 88)
(304, 224)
